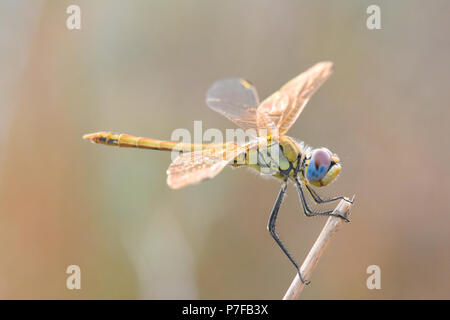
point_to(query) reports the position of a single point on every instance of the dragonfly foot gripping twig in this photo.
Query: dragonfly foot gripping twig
(318, 248)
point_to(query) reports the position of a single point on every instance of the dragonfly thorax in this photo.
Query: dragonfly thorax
(274, 157)
(280, 158)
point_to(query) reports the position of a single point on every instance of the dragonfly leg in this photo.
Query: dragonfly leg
(319, 200)
(271, 228)
(308, 212)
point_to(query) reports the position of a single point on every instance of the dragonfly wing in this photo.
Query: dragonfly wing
(193, 167)
(238, 100)
(284, 106)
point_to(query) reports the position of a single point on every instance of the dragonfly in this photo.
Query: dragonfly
(268, 150)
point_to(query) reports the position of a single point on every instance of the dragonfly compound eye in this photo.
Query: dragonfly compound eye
(318, 165)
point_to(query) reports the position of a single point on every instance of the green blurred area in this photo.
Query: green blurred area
(143, 67)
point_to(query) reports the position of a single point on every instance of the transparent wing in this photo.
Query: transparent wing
(193, 167)
(284, 106)
(238, 100)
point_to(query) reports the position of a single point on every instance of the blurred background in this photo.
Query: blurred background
(143, 68)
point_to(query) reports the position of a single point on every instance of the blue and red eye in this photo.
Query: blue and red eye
(319, 164)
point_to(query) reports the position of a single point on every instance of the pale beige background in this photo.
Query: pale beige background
(143, 67)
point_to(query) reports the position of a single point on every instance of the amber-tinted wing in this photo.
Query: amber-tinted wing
(238, 100)
(193, 167)
(284, 106)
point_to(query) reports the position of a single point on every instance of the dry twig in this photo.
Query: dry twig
(318, 248)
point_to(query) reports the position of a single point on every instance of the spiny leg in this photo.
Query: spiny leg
(308, 212)
(271, 228)
(319, 200)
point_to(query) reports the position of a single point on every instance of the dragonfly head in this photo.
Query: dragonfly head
(322, 167)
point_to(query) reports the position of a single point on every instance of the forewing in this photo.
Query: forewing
(193, 167)
(238, 100)
(284, 106)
